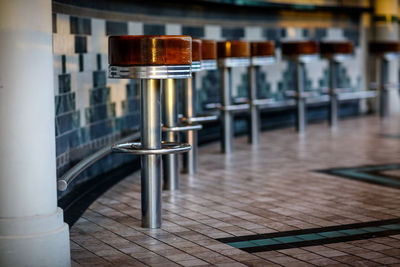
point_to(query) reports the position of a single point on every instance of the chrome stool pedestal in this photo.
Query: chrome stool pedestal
(384, 89)
(201, 49)
(150, 59)
(231, 54)
(335, 52)
(171, 130)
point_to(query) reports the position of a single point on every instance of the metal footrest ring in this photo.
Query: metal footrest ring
(387, 86)
(136, 148)
(202, 118)
(302, 95)
(262, 102)
(183, 128)
(235, 107)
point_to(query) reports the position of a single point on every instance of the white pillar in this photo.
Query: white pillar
(386, 29)
(32, 229)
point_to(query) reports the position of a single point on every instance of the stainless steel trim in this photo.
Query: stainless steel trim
(196, 66)
(150, 72)
(261, 61)
(209, 64)
(232, 62)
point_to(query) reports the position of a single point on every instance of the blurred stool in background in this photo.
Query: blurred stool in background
(231, 54)
(262, 53)
(300, 53)
(335, 52)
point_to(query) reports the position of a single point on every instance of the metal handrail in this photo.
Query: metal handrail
(71, 174)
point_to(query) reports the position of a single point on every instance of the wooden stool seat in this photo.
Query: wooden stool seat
(149, 50)
(262, 49)
(336, 50)
(262, 53)
(208, 54)
(208, 50)
(196, 49)
(336, 47)
(233, 49)
(196, 55)
(150, 56)
(382, 47)
(299, 48)
(233, 53)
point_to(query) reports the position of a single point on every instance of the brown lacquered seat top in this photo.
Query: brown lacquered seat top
(262, 49)
(296, 48)
(208, 49)
(380, 47)
(233, 49)
(149, 50)
(336, 47)
(196, 49)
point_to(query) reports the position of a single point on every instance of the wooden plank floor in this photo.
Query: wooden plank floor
(256, 190)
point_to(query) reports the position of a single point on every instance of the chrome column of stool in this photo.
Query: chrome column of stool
(231, 54)
(262, 53)
(385, 51)
(170, 163)
(335, 52)
(300, 52)
(172, 126)
(190, 116)
(152, 59)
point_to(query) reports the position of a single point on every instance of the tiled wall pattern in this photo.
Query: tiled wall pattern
(93, 110)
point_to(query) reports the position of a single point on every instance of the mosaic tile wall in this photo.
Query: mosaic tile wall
(93, 111)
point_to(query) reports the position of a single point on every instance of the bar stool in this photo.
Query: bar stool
(231, 54)
(385, 51)
(150, 59)
(204, 53)
(300, 53)
(335, 52)
(262, 53)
